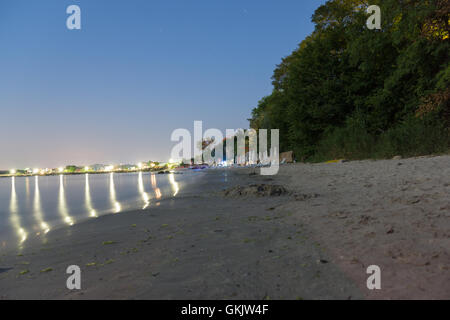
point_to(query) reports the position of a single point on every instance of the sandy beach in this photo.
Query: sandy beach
(313, 242)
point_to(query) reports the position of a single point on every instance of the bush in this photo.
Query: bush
(352, 141)
(412, 137)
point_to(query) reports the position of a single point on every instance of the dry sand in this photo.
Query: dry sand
(314, 242)
(391, 213)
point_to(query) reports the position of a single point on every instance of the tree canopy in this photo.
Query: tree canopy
(348, 91)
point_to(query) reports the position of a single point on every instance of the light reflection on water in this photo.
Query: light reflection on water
(155, 187)
(112, 192)
(37, 208)
(174, 184)
(33, 209)
(91, 211)
(15, 218)
(145, 196)
(63, 210)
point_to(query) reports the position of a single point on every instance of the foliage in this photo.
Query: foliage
(70, 169)
(348, 91)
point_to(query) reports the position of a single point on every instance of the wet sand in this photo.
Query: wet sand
(313, 243)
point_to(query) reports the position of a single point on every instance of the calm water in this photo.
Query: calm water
(32, 206)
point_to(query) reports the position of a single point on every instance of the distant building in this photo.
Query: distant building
(98, 167)
(127, 167)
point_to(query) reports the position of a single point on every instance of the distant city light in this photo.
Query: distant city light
(73, 169)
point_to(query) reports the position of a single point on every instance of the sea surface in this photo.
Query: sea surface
(33, 206)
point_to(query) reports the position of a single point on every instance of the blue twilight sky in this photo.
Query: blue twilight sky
(114, 91)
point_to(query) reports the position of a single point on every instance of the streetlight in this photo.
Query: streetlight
(13, 171)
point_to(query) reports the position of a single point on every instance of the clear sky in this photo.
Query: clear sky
(114, 91)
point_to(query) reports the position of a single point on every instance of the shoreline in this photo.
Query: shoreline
(93, 173)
